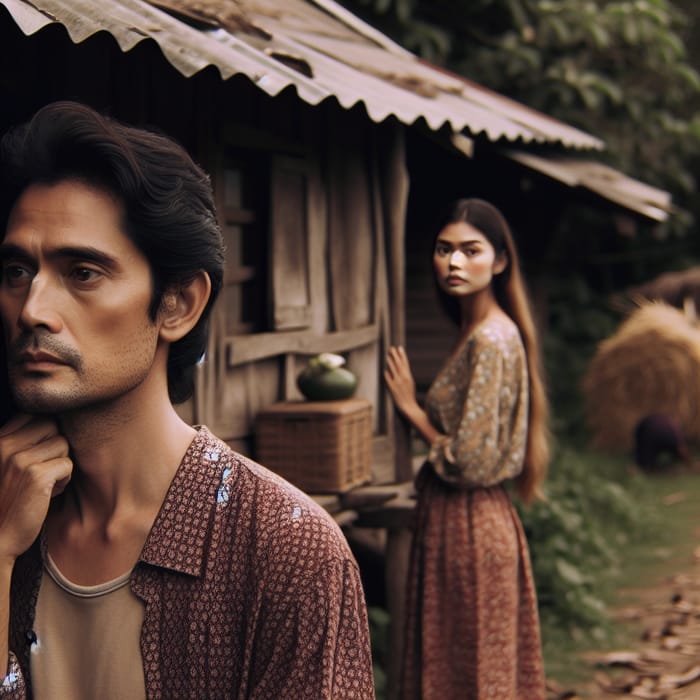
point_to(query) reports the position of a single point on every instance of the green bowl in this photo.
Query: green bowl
(327, 385)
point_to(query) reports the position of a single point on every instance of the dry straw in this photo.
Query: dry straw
(650, 365)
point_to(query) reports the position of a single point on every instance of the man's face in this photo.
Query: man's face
(74, 299)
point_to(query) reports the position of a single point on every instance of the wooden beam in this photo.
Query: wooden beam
(345, 518)
(368, 496)
(242, 349)
(395, 514)
(328, 502)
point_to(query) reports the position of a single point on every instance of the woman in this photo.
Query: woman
(472, 628)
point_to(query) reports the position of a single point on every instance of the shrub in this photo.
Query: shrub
(577, 538)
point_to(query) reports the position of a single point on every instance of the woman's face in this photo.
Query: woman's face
(465, 261)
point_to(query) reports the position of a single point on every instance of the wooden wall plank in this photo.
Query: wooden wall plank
(289, 241)
(350, 226)
(251, 348)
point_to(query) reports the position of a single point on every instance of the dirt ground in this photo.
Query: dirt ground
(664, 663)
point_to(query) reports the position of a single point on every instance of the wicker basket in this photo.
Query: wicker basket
(319, 446)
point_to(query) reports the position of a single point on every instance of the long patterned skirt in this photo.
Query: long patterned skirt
(472, 629)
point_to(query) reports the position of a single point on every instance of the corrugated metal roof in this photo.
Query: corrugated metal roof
(611, 184)
(314, 45)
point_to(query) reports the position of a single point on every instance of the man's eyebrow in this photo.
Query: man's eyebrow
(10, 250)
(85, 253)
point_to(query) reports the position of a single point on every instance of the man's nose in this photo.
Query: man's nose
(40, 307)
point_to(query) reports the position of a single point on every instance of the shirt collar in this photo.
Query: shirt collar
(180, 532)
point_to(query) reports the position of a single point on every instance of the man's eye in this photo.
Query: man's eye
(14, 274)
(84, 274)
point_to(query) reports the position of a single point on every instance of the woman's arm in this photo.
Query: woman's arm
(399, 380)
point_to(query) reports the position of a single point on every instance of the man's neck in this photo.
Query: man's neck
(118, 458)
(125, 457)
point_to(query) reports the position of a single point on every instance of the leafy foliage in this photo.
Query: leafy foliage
(379, 633)
(618, 69)
(578, 538)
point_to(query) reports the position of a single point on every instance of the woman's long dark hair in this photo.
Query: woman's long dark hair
(511, 295)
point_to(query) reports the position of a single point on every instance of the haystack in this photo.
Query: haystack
(650, 365)
(671, 287)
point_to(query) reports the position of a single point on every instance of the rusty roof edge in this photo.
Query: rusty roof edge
(435, 115)
(604, 180)
(31, 19)
(273, 81)
(361, 27)
(477, 94)
(27, 17)
(222, 53)
(511, 108)
(190, 50)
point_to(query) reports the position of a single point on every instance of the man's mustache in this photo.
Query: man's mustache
(40, 342)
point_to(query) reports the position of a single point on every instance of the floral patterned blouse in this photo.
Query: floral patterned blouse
(479, 401)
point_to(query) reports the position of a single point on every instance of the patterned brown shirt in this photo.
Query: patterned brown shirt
(250, 591)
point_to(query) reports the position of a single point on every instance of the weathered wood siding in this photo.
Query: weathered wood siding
(334, 212)
(331, 234)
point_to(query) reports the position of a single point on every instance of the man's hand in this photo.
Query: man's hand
(34, 467)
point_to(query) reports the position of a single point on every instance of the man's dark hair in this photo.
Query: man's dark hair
(168, 202)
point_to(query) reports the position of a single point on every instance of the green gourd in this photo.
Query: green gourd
(324, 379)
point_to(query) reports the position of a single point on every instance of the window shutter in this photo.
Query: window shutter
(289, 249)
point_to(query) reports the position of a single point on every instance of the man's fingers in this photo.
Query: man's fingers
(58, 472)
(21, 436)
(52, 448)
(15, 424)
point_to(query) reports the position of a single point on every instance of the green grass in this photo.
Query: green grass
(661, 543)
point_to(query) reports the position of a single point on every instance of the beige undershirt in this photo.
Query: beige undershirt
(87, 640)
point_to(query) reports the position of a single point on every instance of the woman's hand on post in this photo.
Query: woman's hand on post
(34, 467)
(399, 380)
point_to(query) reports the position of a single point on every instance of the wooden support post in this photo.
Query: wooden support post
(396, 516)
(398, 548)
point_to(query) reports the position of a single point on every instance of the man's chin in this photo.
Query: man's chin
(41, 403)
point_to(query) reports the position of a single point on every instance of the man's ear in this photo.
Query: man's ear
(500, 263)
(181, 307)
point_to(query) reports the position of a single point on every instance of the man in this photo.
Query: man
(140, 557)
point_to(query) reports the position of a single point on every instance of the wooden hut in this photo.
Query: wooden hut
(313, 125)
